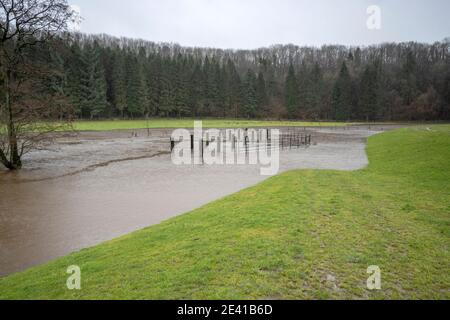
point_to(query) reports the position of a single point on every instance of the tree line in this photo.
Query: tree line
(47, 73)
(106, 77)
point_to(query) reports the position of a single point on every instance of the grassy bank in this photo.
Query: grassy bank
(189, 123)
(305, 234)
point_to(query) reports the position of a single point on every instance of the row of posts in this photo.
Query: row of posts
(290, 140)
(293, 140)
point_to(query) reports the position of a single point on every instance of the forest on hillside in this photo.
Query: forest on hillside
(104, 77)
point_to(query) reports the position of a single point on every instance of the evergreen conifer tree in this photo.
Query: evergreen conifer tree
(292, 93)
(342, 95)
(93, 100)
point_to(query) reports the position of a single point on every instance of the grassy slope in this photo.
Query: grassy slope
(188, 123)
(284, 237)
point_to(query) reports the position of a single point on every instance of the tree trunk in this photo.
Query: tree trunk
(3, 159)
(14, 162)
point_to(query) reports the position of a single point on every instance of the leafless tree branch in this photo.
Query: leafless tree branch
(26, 112)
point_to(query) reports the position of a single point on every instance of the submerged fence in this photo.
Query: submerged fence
(287, 140)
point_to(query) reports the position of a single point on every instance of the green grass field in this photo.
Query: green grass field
(189, 123)
(306, 234)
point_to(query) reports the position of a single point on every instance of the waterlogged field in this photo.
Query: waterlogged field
(92, 187)
(189, 123)
(306, 234)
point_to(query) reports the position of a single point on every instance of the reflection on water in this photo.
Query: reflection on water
(45, 219)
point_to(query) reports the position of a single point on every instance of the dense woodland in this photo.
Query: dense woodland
(106, 77)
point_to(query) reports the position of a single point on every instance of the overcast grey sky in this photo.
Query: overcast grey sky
(250, 24)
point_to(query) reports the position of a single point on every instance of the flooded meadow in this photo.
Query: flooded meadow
(90, 187)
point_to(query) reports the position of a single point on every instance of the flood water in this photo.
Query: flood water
(87, 189)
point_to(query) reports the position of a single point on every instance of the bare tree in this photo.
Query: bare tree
(23, 110)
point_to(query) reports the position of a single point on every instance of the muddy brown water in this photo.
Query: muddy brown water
(86, 189)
